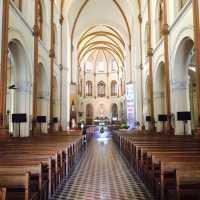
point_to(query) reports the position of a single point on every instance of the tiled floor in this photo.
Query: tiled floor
(102, 175)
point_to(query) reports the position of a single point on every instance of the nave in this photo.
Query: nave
(102, 174)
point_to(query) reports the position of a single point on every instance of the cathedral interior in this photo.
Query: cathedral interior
(100, 99)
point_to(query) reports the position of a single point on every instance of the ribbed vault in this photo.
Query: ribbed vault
(104, 38)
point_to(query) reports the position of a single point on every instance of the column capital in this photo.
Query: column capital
(165, 29)
(52, 53)
(60, 67)
(150, 52)
(140, 18)
(61, 20)
(36, 31)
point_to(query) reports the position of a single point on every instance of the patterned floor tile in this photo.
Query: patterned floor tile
(102, 174)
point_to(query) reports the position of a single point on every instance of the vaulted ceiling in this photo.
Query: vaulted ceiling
(102, 25)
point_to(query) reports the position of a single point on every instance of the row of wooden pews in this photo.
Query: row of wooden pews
(169, 165)
(33, 167)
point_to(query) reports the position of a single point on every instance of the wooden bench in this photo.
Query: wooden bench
(161, 160)
(17, 186)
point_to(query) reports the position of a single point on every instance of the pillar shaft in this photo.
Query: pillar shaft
(150, 55)
(141, 73)
(52, 57)
(4, 62)
(197, 51)
(165, 33)
(61, 67)
(35, 78)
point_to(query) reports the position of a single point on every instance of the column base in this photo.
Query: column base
(169, 130)
(143, 128)
(197, 132)
(51, 130)
(4, 133)
(153, 127)
(60, 128)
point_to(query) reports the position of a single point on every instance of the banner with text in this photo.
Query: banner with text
(130, 103)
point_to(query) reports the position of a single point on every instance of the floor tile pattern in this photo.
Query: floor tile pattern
(102, 174)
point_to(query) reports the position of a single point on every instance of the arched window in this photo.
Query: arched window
(101, 89)
(89, 88)
(18, 4)
(89, 114)
(40, 20)
(182, 4)
(160, 18)
(113, 88)
(114, 112)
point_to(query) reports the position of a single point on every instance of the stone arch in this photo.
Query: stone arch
(159, 91)
(18, 86)
(42, 94)
(184, 83)
(16, 35)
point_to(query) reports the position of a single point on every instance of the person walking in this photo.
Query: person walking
(85, 135)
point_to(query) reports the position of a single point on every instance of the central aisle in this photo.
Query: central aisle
(102, 175)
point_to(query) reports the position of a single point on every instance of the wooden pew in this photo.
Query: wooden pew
(2, 193)
(163, 159)
(36, 171)
(58, 152)
(18, 187)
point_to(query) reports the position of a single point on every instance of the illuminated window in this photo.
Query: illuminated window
(88, 88)
(101, 89)
(113, 88)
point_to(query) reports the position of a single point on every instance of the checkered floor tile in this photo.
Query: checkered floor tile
(102, 175)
